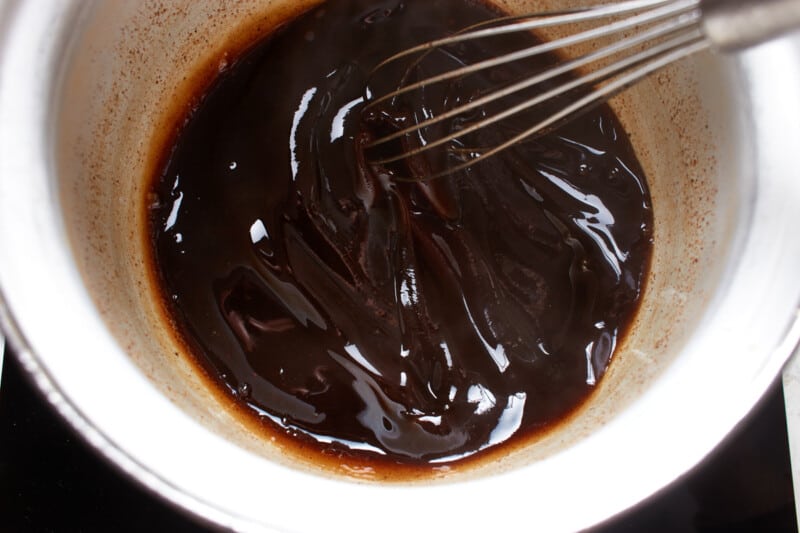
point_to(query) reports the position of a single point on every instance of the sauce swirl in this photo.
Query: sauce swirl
(412, 323)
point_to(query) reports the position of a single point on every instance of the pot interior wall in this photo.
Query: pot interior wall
(130, 58)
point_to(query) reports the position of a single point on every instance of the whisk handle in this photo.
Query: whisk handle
(735, 24)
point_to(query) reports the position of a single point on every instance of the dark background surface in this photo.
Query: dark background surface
(51, 481)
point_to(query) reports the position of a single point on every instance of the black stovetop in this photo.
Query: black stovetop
(50, 480)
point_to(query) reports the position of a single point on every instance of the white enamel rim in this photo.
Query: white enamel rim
(751, 329)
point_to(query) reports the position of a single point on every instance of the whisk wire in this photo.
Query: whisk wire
(660, 31)
(651, 35)
(582, 105)
(671, 9)
(552, 19)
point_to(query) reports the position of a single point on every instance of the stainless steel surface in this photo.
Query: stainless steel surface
(652, 35)
(791, 394)
(736, 24)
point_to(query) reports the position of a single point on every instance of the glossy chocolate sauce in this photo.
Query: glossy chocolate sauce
(378, 319)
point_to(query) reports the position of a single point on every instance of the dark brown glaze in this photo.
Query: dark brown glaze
(413, 323)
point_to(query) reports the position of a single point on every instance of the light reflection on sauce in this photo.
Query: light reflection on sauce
(394, 322)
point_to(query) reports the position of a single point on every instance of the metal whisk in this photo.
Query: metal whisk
(627, 41)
